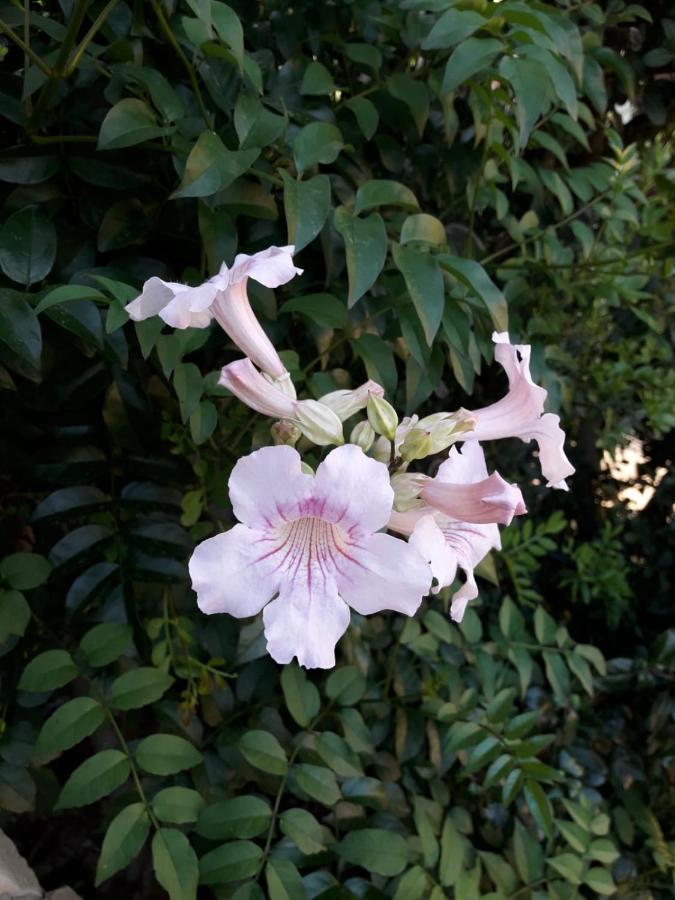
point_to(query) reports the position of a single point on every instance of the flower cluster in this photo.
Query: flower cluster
(310, 545)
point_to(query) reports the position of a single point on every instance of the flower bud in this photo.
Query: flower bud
(285, 432)
(346, 403)
(407, 487)
(382, 416)
(445, 428)
(416, 445)
(318, 423)
(363, 436)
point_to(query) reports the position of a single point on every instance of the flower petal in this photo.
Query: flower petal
(245, 382)
(305, 624)
(429, 541)
(489, 500)
(383, 572)
(229, 573)
(354, 490)
(190, 306)
(155, 296)
(267, 487)
(466, 467)
(270, 267)
(550, 437)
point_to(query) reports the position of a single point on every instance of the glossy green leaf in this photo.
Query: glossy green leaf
(67, 726)
(365, 250)
(262, 750)
(211, 167)
(93, 779)
(376, 850)
(424, 281)
(231, 862)
(24, 571)
(27, 246)
(471, 57)
(306, 204)
(540, 807)
(48, 671)
(284, 881)
(303, 829)
(14, 614)
(318, 783)
(317, 80)
(166, 754)
(20, 335)
(130, 121)
(454, 26)
(175, 864)
(301, 696)
(105, 643)
(381, 192)
(474, 276)
(236, 817)
(139, 687)
(324, 309)
(316, 143)
(177, 805)
(123, 840)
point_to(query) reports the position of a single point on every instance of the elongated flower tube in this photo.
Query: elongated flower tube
(317, 422)
(448, 543)
(224, 298)
(311, 543)
(521, 414)
(481, 502)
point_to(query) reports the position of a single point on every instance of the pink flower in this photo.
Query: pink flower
(446, 542)
(310, 542)
(521, 413)
(224, 298)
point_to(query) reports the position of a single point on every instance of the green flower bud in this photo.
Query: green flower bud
(285, 433)
(417, 445)
(382, 416)
(318, 423)
(363, 436)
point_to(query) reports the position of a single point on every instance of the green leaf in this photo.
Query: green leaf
(474, 276)
(558, 676)
(594, 656)
(255, 125)
(301, 696)
(284, 881)
(178, 805)
(211, 167)
(105, 643)
(366, 115)
(381, 192)
(530, 87)
(528, 853)
(540, 807)
(203, 422)
(175, 864)
(579, 667)
(48, 671)
(14, 614)
(365, 55)
(424, 281)
(425, 229)
(95, 778)
(189, 385)
(569, 866)
(67, 292)
(376, 850)
(139, 687)
(306, 204)
(81, 318)
(303, 829)
(365, 250)
(317, 80)
(67, 726)
(231, 862)
(544, 626)
(28, 169)
(454, 26)
(346, 685)
(20, 335)
(229, 28)
(27, 246)
(17, 789)
(236, 817)
(557, 75)
(318, 783)
(414, 94)
(130, 121)
(316, 143)
(123, 840)
(24, 571)
(324, 309)
(166, 754)
(472, 56)
(263, 751)
(600, 881)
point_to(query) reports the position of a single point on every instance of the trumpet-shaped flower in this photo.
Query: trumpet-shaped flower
(521, 413)
(224, 298)
(310, 542)
(446, 542)
(481, 502)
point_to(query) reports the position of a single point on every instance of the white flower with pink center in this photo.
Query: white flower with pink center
(312, 543)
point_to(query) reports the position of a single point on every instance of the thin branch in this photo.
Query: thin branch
(171, 37)
(88, 38)
(35, 59)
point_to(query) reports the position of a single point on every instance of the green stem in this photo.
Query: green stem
(30, 54)
(132, 766)
(171, 37)
(266, 176)
(88, 38)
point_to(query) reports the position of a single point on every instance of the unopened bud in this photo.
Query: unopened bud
(363, 436)
(446, 428)
(318, 423)
(284, 384)
(416, 445)
(382, 416)
(285, 433)
(407, 487)
(381, 450)
(346, 403)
